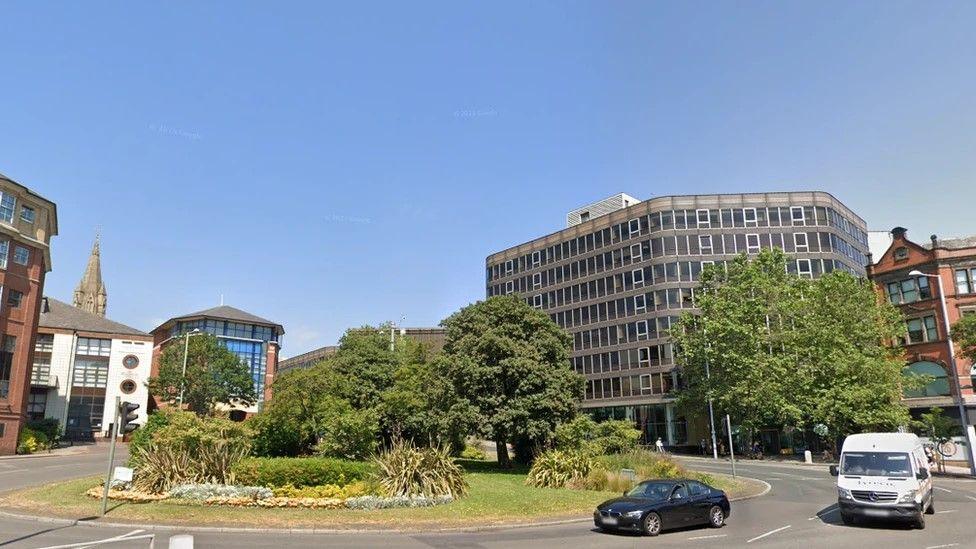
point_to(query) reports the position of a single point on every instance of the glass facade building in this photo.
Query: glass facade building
(617, 282)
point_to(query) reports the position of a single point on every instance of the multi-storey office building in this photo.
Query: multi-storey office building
(618, 281)
(255, 340)
(27, 223)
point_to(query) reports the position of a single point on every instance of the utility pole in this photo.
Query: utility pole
(728, 425)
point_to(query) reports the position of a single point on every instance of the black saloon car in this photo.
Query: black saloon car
(654, 505)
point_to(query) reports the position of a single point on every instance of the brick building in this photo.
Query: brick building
(27, 223)
(926, 350)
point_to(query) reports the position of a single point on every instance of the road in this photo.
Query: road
(798, 512)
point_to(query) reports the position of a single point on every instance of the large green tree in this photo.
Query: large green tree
(771, 348)
(964, 335)
(510, 364)
(214, 375)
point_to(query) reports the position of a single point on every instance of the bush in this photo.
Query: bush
(300, 472)
(29, 441)
(143, 436)
(558, 468)
(645, 464)
(617, 436)
(354, 489)
(375, 502)
(181, 447)
(48, 426)
(582, 434)
(473, 452)
(408, 470)
(351, 434)
(202, 492)
(275, 436)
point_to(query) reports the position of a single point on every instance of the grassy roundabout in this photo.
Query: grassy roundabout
(496, 497)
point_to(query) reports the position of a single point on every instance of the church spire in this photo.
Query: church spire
(90, 295)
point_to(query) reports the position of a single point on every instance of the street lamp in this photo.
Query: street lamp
(186, 352)
(952, 365)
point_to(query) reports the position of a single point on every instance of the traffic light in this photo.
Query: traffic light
(127, 414)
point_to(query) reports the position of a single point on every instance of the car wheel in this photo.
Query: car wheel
(652, 524)
(920, 522)
(930, 510)
(848, 519)
(716, 517)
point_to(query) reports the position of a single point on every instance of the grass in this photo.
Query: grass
(495, 497)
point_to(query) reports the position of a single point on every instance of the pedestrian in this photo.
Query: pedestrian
(659, 444)
(704, 447)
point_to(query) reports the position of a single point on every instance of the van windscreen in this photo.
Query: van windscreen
(876, 464)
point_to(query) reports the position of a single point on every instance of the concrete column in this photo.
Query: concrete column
(669, 425)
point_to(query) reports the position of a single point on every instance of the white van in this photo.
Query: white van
(884, 476)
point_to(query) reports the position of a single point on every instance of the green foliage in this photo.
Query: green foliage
(300, 472)
(473, 452)
(327, 491)
(48, 426)
(781, 349)
(143, 436)
(350, 435)
(558, 469)
(509, 364)
(935, 425)
(409, 470)
(184, 448)
(605, 474)
(608, 437)
(214, 375)
(30, 441)
(964, 335)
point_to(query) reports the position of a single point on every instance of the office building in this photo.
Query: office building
(82, 362)
(617, 281)
(27, 223)
(255, 340)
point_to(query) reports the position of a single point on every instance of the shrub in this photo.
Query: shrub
(48, 426)
(354, 489)
(576, 435)
(143, 436)
(602, 480)
(375, 502)
(408, 470)
(645, 464)
(473, 452)
(582, 434)
(617, 436)
(163, 467)
(27, 441)
(300, 472)
(349, 435)
(558, 468)
(202, 492)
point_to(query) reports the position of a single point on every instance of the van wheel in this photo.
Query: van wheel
(847, 519)
(920, 522)
(930, 510)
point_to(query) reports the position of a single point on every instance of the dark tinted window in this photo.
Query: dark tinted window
(697, 489)
(680, 492)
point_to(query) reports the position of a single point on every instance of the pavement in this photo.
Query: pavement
(798, 512)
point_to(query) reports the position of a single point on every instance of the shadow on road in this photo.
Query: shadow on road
(665, 533)
(831, 515)
(35, 534)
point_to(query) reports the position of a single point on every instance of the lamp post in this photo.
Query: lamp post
(952, 365)
(186, 352)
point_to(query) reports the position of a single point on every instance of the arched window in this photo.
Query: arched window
(939, 386)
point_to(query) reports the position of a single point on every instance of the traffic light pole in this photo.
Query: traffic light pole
(111, 455)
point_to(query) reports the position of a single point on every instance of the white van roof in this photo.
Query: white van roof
(881, 442)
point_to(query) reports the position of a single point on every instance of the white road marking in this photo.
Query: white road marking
(947, 511)
(971, 497)
(942, 546)
(771, 532)
(709, 537)
(5, 471)
(943, 489)
(82, 545)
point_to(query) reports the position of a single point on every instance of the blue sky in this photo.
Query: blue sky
(330, 165)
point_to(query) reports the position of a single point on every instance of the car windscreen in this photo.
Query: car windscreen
(651, 490)
(876, 464)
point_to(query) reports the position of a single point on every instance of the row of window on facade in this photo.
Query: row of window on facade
(619, 334)
(8, 205)
(679, 219)
(677, 246)
(226, 329)
(914, 289)
(651, 419)
(626, 359)
(21, 255)
(661, 273)
(662, 383)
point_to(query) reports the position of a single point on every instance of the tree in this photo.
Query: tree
(509, 363)
(964, 335)
(939, 428)
(214, 375)
(782, 350)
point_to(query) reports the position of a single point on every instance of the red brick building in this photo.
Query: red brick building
(926, 350)
(27, 223)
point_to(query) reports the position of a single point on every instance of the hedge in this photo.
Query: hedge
(299, 472)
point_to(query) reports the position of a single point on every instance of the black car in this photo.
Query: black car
(654, 505)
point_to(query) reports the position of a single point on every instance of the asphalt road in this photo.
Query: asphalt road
(798, 512)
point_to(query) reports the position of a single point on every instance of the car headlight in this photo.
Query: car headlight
(634, 514)
(844, 493)
(908, 497)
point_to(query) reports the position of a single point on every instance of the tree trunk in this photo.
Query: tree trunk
(501, 449)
